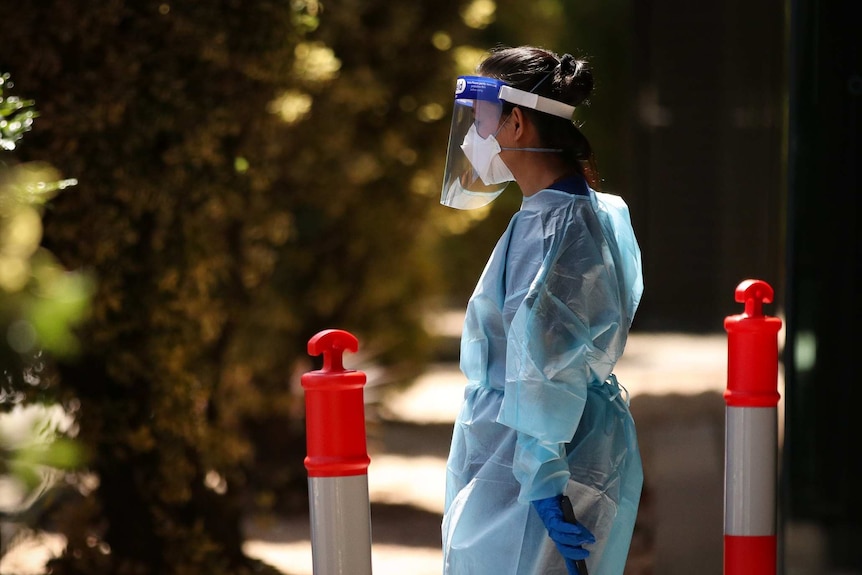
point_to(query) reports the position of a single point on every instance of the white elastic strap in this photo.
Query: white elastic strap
(536, 102)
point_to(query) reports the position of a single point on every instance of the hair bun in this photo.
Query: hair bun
(568, 65)
(575, 80)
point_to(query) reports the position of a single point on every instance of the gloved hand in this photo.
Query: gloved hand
(568, 537)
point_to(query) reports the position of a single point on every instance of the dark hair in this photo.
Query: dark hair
(564, 79)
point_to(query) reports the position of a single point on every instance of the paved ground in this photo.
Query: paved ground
(675, 382)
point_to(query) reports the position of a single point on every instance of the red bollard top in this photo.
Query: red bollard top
(752, 349)
(334, 410)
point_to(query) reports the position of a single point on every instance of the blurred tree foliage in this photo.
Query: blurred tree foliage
(247, 177)
(249, 173)
(40, 303)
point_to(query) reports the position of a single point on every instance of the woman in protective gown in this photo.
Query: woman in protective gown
(543, 415)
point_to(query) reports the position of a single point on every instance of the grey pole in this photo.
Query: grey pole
(340, 525)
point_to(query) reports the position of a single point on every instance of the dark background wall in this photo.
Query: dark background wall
(745, 158)
(707, 158)
(821, 498)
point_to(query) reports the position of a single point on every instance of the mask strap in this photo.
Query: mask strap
(555, 150)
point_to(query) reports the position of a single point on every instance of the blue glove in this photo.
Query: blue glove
(568, 537)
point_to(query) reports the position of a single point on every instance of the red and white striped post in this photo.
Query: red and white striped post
(751, 435)
(337, 460)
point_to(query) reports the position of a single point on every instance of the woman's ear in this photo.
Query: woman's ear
(517, 123)
(523, 130)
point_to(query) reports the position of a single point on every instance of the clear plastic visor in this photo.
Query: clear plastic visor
(478, 107)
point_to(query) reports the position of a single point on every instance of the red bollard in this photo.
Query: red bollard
(337, 460)
(751, 435)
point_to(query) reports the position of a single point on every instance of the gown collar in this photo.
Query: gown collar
(557, 194)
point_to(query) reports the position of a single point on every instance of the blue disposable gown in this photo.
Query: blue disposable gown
(542, 413)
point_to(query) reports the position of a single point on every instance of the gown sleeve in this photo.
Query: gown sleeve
(567, 331)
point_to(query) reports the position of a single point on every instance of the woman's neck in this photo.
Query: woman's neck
(536, 176)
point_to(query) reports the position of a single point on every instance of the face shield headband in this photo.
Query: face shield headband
(475, 175)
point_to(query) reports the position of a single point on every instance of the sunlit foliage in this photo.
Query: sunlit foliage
(40, 304)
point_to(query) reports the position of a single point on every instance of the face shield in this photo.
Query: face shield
(475, 174)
